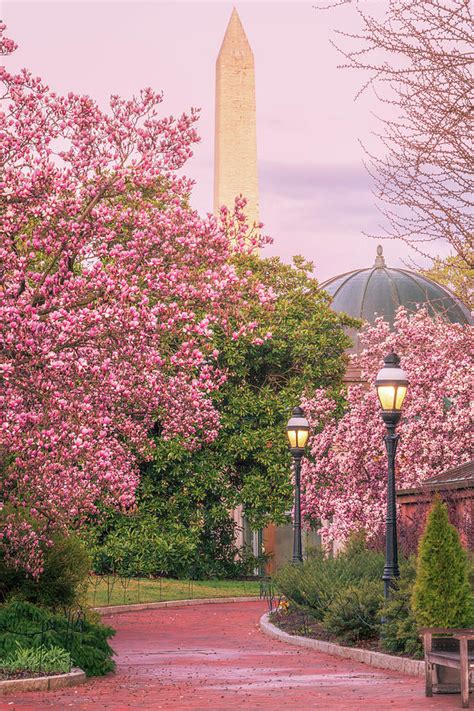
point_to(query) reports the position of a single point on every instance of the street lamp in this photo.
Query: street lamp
(297, 431)
(391, 385)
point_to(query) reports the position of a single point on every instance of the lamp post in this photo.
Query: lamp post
(391, 385)
(297, 431)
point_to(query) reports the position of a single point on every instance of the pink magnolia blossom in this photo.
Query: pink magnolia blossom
(110, 288)
(345, 484)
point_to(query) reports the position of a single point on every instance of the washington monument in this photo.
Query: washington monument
(235, 149)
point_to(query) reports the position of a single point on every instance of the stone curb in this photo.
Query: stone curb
(43, 683)
(136, 607)
(412, 667)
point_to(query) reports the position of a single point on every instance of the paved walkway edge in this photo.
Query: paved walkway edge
(412, 667)
(136, 607)
(43, 683)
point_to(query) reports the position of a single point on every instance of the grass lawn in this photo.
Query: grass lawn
(113, 590)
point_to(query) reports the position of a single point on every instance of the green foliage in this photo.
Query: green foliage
(455, 273)
(49, 660)
(400, 631)
(344, 594)
(248, 463)
(140, 545)
(354, 613)
(321, 580)
(442, 595)
(32, 627)
(137, 547)
(305, 351)
(63, 583)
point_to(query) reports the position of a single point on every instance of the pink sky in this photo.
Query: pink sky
(315, 196)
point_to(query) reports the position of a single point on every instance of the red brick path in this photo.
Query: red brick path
(214, 657)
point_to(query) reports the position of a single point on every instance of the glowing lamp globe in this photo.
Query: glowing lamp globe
(391, 385)
(297, 430)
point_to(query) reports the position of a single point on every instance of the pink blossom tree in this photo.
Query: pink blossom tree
(110, 288)
(345, 479)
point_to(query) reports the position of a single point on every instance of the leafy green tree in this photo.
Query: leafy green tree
(454, 273)
(296, 346)
(305, 351)
(442, 594)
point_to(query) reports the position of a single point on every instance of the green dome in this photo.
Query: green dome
(379, 291)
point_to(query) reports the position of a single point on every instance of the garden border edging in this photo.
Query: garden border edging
(413, 667)
(43, 683)
(137, 606)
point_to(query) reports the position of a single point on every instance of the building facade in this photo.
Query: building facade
(456, 488)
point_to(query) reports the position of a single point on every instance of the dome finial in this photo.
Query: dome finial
(379, 259)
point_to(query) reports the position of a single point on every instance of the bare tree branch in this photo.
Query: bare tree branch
(418, 59)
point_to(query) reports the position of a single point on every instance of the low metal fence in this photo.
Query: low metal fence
(269, 592)
(41, 638)
(114, 589)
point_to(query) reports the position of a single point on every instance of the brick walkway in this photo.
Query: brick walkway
(214, 657)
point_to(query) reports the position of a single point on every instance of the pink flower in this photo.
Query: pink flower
(111, 288)
(345, 485)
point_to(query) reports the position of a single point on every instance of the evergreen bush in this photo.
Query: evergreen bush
(139, 547)
(63, 582)
(442, 594)
(354, 613)
(400, 631)
(320, 579)
(32, 627)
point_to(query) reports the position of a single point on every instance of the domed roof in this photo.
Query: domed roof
(379, 291)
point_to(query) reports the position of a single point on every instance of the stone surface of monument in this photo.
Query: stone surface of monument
(235, 151)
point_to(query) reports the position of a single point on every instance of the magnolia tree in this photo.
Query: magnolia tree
(345, 478)
(110, 287)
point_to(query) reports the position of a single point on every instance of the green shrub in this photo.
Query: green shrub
(320, 579)
(63, 582)
(204, 549)
(300, 584)
(137, 547)
(49, 660)
(354, 613)
(33, 627)
(400, 631)
(442, 595)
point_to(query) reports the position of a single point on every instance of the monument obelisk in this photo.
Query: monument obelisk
(235, 148)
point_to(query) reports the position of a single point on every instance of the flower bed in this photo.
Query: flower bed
(341, 600)
(380, 660)
(297, 621)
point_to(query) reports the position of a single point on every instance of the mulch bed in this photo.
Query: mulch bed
(298, 622)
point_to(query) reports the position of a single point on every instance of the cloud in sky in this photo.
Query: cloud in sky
(321, 211)
(303, 180)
